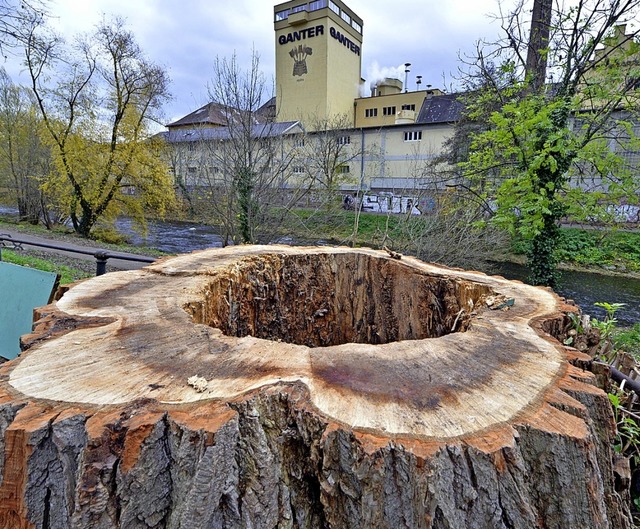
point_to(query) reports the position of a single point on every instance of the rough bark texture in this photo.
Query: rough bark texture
(339, 388)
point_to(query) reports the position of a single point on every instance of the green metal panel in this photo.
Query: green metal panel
(21, 290)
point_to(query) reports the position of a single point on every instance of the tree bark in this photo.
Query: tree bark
(538, 48)
(278, 387)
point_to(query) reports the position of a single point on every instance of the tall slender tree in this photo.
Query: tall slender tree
(253, 157)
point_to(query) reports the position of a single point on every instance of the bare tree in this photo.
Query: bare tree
(246, 165)
(327, 154)
(17, 17)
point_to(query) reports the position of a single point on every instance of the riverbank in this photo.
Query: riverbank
(585, 249)
(581, 249)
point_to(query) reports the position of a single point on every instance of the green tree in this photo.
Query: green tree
(24, 159)
(557, 148)
(97, 99)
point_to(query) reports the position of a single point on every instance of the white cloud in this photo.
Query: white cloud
(185, 36)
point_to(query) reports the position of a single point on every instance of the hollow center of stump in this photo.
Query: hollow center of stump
(321, 300)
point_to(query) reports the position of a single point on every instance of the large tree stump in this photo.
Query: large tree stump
(269, 386)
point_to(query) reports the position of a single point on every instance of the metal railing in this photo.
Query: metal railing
(101, 256)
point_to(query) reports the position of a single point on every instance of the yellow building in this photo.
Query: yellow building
(318, 60)
(389, 105)
(382, 145)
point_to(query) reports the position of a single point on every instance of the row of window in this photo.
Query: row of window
(386, 111)
(412, 135)
(340, 140)
(317, 5)
(301, 169)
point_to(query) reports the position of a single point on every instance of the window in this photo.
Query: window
(298, 169)
(334, 7)
(299, 142)
(356, 26)
(409, 107)
(413, 135)
(282, 15)
(346, 17)
(370, 112)
(192, 170)
(342, 169)
(344, 140)
(297, 9)
(318, 4)
(389, 111)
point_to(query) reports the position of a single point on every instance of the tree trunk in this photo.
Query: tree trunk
(538, 48)
(278, 387)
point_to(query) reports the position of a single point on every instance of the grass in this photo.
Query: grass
(337, 225)
(66, 273)
(628, 340)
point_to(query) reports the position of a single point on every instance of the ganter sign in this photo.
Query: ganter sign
(316, 31)
(301, 35)
(342, 39)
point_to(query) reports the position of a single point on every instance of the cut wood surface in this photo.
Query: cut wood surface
(270, 386)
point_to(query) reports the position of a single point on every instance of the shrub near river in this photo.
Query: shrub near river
(614, 251)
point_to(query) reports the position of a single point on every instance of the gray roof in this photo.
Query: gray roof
(212, 114)
(262, 130)
(218, 115)
(441, 109)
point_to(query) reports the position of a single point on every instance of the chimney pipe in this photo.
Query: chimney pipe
(406, 76)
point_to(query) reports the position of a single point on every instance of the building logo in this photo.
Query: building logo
(299, 56)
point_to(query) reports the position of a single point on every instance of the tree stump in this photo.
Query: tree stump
(278, 387)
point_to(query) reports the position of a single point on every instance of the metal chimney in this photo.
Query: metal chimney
(406, 76)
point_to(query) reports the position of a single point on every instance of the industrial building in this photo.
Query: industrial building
(389, 133)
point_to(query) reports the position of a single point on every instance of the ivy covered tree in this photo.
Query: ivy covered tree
(97, 99)
(559, 148)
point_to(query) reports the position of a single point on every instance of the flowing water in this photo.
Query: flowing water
(171, 237)
(587, 288)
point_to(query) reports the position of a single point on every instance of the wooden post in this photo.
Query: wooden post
(270, 386)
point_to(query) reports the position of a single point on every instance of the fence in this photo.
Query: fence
(101, 256)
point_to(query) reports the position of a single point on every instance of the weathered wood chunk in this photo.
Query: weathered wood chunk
(278, 387)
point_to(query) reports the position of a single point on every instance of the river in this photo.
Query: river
(583, 287)
(587, 288)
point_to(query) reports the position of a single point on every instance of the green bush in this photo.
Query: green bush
(600, 248)
(108, 236)
(628, 340)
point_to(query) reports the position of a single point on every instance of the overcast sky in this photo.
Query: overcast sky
(185, 36)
